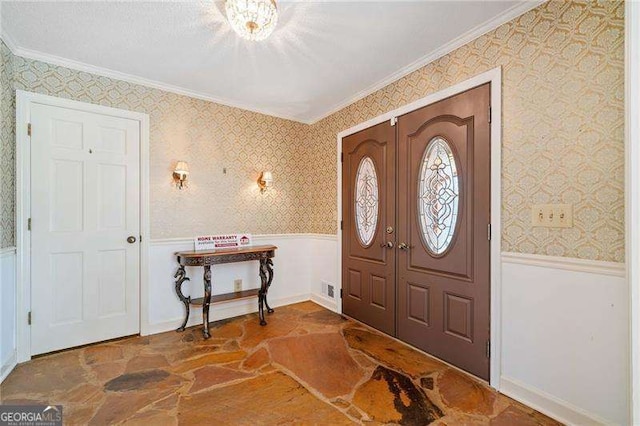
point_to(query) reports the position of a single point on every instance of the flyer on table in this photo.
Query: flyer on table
(223, 241)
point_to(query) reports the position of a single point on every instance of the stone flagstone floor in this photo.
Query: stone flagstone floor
(307, 366)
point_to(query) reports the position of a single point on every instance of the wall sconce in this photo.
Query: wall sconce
(180, 174)
(265, 180)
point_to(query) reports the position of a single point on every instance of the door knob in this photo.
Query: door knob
(403, 246)
(388, 244)
(131, 239)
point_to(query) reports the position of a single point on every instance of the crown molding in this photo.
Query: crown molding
(454, 44)
(8, 41)
(130, 78)
(458, 42)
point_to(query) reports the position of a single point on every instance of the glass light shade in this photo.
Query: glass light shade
(182, 168)
(252, 19)
(267, 177)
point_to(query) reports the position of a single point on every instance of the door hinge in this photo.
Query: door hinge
(140, 238)
(28, 129)
(340, 293)
(393, 121)
(342, 157)
(488, 349)
(29, 224)
(341, 225)
(489, 114)
(29, 318)
(489, 232)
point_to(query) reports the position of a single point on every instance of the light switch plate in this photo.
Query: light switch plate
(552, 215)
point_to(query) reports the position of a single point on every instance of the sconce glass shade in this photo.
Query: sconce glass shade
(265, 180)
(180, 174)
(252, 19)
(182, 168)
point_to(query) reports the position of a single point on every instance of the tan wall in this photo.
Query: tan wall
(7, 148)
(210, 137)
(563, 125)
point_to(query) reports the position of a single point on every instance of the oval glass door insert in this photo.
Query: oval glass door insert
(438, 196)
(366, 200)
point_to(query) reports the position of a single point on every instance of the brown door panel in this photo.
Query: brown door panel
(448, 324)
(448, 283)
(353, 284)
(369, 266)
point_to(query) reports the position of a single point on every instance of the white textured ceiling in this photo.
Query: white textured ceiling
(320, 56)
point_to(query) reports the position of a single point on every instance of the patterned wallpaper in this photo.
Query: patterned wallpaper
(7, 149)
(213, 139)
(563, 125)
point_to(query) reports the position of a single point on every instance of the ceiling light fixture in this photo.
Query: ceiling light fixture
(252, 19)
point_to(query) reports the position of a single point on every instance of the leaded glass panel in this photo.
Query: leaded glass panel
(366, 201)
(438, 196)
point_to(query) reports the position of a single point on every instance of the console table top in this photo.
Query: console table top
(225, 251)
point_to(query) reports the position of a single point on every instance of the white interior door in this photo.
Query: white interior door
(85, 203)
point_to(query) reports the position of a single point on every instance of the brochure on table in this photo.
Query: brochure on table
(225, 241)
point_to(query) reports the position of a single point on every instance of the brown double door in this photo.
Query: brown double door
(416, 214)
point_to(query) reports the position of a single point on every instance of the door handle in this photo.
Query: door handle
(403, 246)
(388, 244)
(131, 239)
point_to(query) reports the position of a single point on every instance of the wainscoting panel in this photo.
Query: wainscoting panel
(564, 321)
(323, 271)
(8, 348)
(565, 325)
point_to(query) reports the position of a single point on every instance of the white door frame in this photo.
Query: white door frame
(494, 77)
(24, 100)
(632, 195)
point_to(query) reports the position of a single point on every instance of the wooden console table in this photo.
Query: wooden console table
(215, 257)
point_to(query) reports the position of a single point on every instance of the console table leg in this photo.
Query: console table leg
(206, 301)
(262, 294)
(269, 267)
(181, 276)
(261, 308)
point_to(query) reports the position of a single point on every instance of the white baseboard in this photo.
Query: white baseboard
(222, 311)
(548, 404)
(325, 302)
(8, 366)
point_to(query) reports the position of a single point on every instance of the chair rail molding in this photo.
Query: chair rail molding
(256, 237)
(567, 263)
